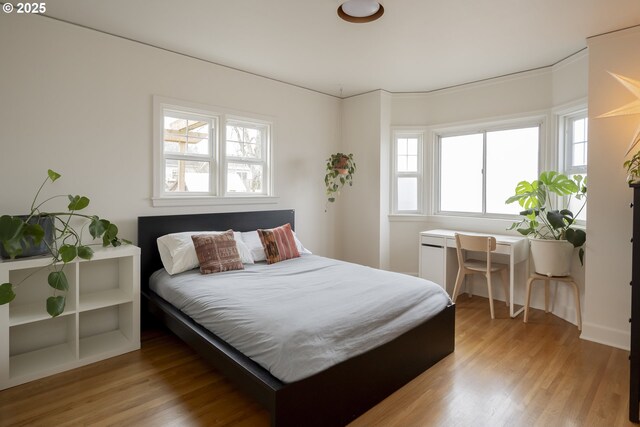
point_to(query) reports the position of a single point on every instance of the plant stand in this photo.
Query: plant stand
(547, 280)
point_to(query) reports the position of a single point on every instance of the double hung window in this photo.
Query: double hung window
(407, 191)
(576, 127)
(204, 156)
(246, 157)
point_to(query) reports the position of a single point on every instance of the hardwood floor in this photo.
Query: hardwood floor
(503, 372)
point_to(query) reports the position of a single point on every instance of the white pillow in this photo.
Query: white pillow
(178, 253)
(252, 240)
(301, 249)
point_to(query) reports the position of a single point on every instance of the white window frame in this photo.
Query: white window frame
(566, 141)
(217, 191)
(565, 115)
(419, 174)
(265, 161)
(211, 158)
(455, 130)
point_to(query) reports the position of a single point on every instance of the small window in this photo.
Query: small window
(576, 142)
(576, 137)
(246, 157)
(188, 153)
(407, 167)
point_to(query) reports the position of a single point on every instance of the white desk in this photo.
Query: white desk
(440, 265)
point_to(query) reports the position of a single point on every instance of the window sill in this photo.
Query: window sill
(213, 201)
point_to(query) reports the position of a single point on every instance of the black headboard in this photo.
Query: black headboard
(152, 227)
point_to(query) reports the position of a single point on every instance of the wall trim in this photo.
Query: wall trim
(604, 335)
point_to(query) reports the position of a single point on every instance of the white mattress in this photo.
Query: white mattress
(298, 317)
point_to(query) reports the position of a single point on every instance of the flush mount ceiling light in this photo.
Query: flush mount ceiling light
(360, 11)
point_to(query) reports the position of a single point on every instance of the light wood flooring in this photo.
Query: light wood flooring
(503, 373)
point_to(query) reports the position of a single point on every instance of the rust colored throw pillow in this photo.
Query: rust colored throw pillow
(217, 252)
(278, 243)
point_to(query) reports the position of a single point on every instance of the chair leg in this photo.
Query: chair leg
(576, 292)
(488, 275)
(546, 295)
(528, 299)
(459, 280)
(504, 273)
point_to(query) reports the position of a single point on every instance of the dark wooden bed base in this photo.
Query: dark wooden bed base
(333, 397)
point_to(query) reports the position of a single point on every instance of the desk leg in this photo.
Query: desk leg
(512, 279)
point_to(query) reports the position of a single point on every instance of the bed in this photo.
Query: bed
(331, 397)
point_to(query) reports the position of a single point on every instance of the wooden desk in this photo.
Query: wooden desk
(439, 263)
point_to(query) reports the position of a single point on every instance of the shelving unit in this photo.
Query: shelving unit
(634, 357)
(101, 318)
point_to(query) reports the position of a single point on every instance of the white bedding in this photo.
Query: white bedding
(301, 316)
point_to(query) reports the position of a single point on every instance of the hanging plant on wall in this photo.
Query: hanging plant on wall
(339, 172)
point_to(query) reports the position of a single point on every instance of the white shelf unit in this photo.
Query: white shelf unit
(101, 318)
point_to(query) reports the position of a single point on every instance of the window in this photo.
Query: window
(407, 167)
(576, 131)
(202, 156)
(246, 157)
(479, 171)
(188, 155)
(576, 139)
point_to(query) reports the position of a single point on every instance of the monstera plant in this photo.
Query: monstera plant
(19, 234)
(545, 216)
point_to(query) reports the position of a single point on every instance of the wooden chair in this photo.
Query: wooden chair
(486, 244)
(546, 280)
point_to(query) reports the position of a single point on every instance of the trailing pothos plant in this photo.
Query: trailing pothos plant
(542, 219)
(340, 168)
(17, 233)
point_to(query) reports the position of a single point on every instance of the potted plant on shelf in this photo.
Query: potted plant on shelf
(340, 168)
(551, 229)
(19, 234)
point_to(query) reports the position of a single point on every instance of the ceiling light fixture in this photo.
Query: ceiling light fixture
(360, 11)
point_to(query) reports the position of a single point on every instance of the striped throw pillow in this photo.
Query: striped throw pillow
(278, 243)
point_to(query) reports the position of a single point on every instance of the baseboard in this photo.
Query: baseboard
(607, 336)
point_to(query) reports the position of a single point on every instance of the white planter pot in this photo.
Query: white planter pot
(551, 257)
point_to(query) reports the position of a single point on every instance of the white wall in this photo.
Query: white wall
(525, 94)
(608, 294)
(359, 206)
(80, 102)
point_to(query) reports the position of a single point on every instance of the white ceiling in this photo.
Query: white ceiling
(418, 45)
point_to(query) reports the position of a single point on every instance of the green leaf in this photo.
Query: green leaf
(10, 227)
(556, 219)
(55, 305)
(68, 253)
(576, 237)
(97, 227)
(53, 175)
(332, 199)
(6, 293)
(85, 252)
(58, 280)
(581, 256)
(12, 231)
(558, 183)
(35, 231)
(77, 203)
(110, 236)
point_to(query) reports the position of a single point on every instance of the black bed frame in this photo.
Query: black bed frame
(333, 397)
